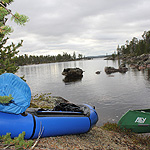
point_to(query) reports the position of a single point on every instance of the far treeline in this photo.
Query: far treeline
(28, 60)
(135, 46)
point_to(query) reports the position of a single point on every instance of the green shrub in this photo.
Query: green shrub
(18, 142)
(6, 99)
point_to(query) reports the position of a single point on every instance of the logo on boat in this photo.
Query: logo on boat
(140, 120)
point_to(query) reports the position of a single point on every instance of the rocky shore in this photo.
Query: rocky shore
(97, 138)
(135, 62)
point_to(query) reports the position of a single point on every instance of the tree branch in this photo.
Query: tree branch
(8, 10)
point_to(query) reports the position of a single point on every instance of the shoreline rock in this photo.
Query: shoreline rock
(46, 101)
(138, 62)
(121, 69)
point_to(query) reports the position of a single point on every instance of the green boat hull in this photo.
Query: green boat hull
(137, 121)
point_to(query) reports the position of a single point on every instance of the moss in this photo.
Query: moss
(140, 139)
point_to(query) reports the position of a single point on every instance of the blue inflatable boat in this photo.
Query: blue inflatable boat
(54, 123)
(64, 119)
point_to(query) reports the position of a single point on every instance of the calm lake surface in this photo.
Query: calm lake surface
(112, 95)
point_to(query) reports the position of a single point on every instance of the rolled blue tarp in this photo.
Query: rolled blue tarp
(11, 84)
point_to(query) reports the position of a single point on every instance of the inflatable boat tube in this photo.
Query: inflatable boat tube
(54, 123)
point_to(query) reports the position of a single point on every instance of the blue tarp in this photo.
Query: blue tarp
(20, 91)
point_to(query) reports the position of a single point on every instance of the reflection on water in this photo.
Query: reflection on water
(112, 95)
(69, 80)
(148, 75)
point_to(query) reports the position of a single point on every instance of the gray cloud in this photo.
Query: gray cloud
(90, 27)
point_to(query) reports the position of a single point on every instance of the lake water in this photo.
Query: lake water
(112, 95)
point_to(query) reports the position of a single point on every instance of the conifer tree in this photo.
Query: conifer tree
(8, 53)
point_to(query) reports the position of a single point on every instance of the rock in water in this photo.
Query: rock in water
(98, 72)
(122, 69)
(73, 72)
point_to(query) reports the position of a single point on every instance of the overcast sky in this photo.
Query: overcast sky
(88, 27)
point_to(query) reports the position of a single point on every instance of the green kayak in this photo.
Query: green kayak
(137, 121)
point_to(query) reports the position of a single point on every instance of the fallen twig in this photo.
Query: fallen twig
(40, 134)
(8, 146)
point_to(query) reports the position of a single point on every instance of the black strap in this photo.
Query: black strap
(34, 127)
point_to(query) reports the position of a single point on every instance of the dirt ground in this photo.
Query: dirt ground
(96, 138)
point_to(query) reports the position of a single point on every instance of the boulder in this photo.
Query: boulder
(148, 65)
(110, 70)
(121, 69)
(73, 73)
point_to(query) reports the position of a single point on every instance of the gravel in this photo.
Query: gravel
(96, 138)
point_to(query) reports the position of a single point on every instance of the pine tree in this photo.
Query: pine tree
(8, 53)
(74, 56)
(7, 57)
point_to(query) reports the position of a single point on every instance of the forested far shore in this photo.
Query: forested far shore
(32, 59)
